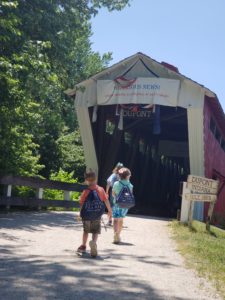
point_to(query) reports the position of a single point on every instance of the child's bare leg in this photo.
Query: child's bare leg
(93, 245)
(115, 225)
(120, 225)
(85, 238)
(95, 237)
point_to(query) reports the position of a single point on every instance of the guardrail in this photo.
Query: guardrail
(39, 184)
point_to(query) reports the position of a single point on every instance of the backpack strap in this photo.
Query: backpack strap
(92, 191)
(126, 186)
(89, 191)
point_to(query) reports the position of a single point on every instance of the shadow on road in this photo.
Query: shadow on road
(66, 276)
(32, 277)
(37, 220)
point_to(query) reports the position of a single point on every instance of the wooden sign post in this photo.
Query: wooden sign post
(185, 205)
(204, 190)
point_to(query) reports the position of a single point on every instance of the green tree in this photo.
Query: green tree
(44, 49)
(71, 156)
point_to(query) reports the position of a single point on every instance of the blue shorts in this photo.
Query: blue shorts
(119, 212)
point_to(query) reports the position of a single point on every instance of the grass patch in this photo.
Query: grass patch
(204, 251)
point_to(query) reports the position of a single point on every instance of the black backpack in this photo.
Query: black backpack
(93, 207)
(125, 198)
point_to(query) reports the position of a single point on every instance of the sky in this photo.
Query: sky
(187, 34)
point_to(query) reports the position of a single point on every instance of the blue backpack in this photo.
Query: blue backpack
(93, 207)
(125, 198)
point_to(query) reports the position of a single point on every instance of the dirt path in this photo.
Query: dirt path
(37, 261)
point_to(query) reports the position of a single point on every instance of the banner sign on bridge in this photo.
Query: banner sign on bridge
(161, 91)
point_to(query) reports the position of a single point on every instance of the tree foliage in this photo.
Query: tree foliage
(44, 49)
(57, 194)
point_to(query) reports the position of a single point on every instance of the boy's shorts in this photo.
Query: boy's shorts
(92, 226)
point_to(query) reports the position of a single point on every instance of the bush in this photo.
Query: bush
(24, 191)
(57, 194)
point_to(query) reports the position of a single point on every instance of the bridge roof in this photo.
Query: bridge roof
(145, 66)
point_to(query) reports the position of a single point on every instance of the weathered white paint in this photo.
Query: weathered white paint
(39, 193)
(9, 190)
(66, 195)
(8, 193)
(185, 204)
(87, 137)
(196, 149)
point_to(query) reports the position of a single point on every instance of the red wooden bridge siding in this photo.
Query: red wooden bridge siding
(214, 154)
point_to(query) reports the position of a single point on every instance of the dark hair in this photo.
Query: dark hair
(124, 173)
(90, 175)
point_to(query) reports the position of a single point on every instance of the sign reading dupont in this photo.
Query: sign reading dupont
(200, 189)
(203, 185)
(161, 91)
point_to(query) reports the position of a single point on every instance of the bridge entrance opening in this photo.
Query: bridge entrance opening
(157, 154)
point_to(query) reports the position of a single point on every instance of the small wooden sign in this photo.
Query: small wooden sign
(203, 185)
(200, 197)
(201, 189)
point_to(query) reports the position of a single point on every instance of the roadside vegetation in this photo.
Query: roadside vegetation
(204, 251)
(45, 49)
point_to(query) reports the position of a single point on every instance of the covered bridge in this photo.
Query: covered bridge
(159, 123)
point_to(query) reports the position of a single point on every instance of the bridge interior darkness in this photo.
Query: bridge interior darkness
(158, 162)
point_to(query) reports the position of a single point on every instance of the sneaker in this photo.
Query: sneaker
(93, 247)
(81, 249)
(116, 238)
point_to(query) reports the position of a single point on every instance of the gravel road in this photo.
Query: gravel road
(38, 261)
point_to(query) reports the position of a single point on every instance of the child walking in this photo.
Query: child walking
(110, 182)
(92, 206)
(119, 213)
